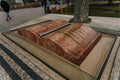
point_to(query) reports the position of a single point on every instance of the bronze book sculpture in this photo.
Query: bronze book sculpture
(73, 42)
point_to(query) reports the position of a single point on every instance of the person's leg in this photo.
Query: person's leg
(48, 9)
(8, 16)
(45, 9)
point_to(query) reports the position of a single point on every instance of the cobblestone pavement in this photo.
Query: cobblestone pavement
(15, 62)
(115, 75)
(15, 66)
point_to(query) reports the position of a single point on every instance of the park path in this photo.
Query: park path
(20, 16)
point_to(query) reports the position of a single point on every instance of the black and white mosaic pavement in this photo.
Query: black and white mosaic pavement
(15, 66)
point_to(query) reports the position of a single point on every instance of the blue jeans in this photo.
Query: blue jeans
(47, 9)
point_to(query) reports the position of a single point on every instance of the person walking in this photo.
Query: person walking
(58, 2)
(68, 2)
(6, 7)
(48, 6)
(44, 3)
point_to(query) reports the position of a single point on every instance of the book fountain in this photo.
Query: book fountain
(74, 50)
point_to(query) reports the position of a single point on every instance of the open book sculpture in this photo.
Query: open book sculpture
(70, 41)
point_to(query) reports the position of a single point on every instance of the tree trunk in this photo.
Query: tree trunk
(81, 11)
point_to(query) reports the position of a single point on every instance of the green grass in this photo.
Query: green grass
(104, 10)
(105, 14)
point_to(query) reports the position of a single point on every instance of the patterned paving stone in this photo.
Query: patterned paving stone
(17, 68)
(115, 75)
(41, 70)
(3, 74)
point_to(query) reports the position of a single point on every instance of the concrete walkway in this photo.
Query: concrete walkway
(19, 17)
(24, 15)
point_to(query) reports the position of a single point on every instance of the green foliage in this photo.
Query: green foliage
(104, 10)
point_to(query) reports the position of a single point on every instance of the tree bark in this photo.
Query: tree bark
(81, 11)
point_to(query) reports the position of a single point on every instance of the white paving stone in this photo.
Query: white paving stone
(3, 74)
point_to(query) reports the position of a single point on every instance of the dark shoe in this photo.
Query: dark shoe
(10, 18)
(7, 19)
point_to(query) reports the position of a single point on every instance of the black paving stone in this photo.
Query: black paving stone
(9, 70)
(25, 67)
